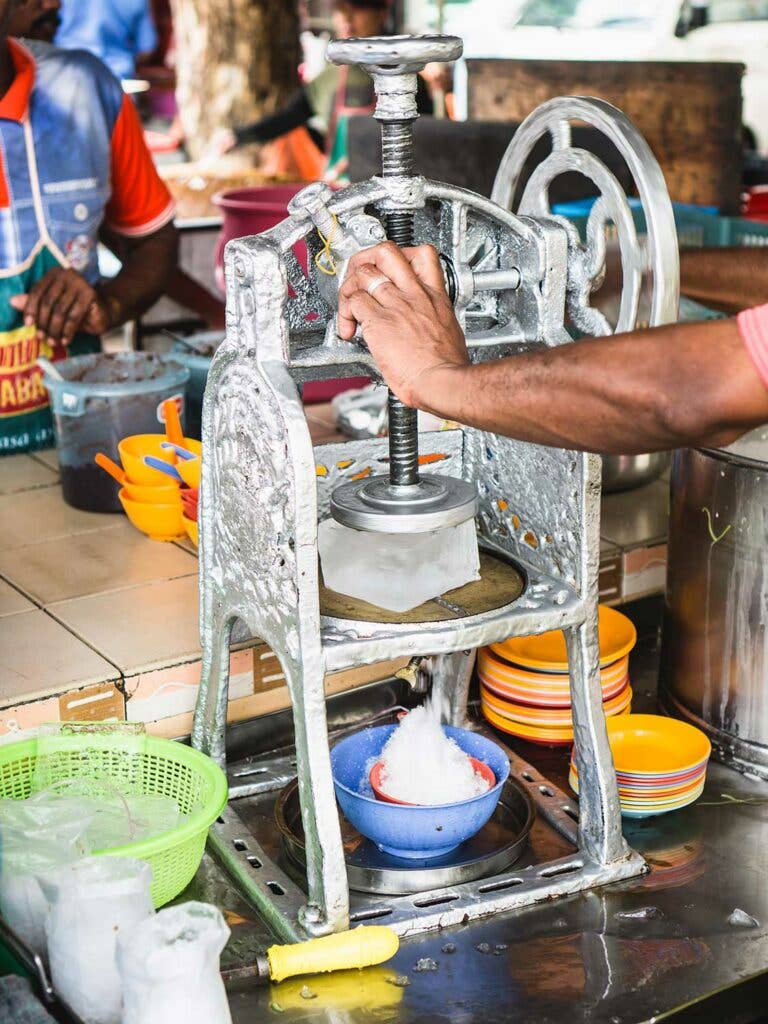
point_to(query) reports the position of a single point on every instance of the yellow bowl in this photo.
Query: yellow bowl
(190, 525)
(132, 451)
(160, 522)
(546, 652)
(654, 744)
(189, 469)
(152, 494)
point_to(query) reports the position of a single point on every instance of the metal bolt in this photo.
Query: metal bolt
(398, 158)
(312, 202)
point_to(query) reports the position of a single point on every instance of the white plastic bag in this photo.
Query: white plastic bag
(91, 902)
(33, 839)
(169, 966)
(112, 818)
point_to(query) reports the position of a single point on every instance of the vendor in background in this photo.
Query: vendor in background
(119, 32)
(74, 168)
(325, 105)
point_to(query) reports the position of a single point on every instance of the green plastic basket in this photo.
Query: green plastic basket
(169, 769)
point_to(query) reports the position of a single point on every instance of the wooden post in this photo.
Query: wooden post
(236, 60)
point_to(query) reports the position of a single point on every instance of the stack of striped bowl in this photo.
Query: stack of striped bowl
(660, 764)
(525, 686)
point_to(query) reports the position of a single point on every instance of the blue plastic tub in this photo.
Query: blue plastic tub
(198, 361)
(410, 832)
(102, 399)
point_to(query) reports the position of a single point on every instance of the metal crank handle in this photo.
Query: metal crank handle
(395, 55)
(462, 283)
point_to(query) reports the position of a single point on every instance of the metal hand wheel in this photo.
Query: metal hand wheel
(395, 55)
(586, 261)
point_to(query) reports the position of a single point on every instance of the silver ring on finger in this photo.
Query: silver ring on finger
(377, 282)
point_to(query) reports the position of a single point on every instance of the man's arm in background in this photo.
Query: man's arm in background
(138, 223)
(727, 279)
(148, 265)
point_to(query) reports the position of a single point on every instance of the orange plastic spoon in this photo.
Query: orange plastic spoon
(111, 467)
(173, 430)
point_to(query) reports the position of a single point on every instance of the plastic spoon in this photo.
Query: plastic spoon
(47, 367)
(199, 348)
(111, 467)
(183, 453)
(164, 467)
(173, 430)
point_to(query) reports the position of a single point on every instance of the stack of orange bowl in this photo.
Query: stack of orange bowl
(660, 763)
(189, 471)
(525, 686)
(151, 498)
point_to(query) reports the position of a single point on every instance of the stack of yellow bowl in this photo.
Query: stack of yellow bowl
(525, 685)
(660, 764)
(151, 498)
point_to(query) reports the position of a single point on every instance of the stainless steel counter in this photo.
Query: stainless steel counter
(631, 953)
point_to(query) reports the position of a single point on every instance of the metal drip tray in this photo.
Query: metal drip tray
(497, 846)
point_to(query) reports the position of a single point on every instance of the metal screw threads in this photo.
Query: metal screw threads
(403, 443)
(397, 150)
(400, 227)
(397, 158)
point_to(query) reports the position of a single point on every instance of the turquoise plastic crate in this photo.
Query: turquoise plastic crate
(696, 227)
(746, 232)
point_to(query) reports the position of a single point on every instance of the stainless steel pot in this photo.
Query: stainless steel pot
(625, 472)
(715, 645)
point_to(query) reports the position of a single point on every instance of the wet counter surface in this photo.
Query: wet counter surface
(637, 951)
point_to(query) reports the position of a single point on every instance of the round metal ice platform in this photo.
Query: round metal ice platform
(500, 584)
(379, 506)
(497, 846)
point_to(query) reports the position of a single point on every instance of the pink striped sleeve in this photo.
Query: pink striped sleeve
(753, 328)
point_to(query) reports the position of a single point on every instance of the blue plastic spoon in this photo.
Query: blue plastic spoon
(183, 453)
(164, 467)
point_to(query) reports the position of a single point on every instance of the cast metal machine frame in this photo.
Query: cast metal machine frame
(517, 280)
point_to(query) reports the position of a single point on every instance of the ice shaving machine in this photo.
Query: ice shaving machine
(518, 280)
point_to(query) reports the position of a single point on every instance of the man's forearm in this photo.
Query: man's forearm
(295, 113)
(683, 384)
(646, 391)
(147, 266)
(730, 279)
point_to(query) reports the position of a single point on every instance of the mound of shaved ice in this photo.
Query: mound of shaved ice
(424, 766)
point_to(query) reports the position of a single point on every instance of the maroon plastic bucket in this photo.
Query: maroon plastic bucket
(249, 211)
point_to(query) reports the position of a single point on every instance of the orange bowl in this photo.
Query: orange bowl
(189, 469)
(190, 525)
(132, 451)
(481, 768)
(158, 521)
(152, 494)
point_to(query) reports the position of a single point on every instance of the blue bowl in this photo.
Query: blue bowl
(412, 832)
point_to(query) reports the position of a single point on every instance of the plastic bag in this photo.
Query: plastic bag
(169, 966)
(115, 818)
(91, 903)
(33, 839)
